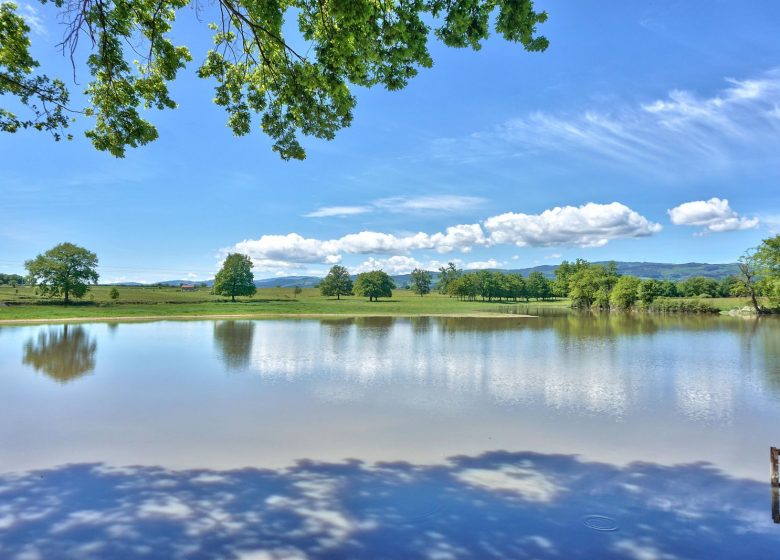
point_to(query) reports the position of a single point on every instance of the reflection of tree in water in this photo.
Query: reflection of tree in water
(769, 343)
(234, 342)
(62, 354)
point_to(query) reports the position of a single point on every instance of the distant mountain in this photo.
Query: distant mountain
(657, 271)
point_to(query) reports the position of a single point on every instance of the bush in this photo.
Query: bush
(677, 305)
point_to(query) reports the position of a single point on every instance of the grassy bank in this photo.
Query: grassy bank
(22, 303)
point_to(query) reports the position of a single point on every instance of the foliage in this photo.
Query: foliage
(337, 282)
(698, 286)
(767, 262)
(11, 279)
(538, 286)
(679, 305)
(66, 270)
(421, 282)
(45, 98)
(447, 275)
(374, 284)
(267, 73)
(114, 293)
(235, 278)
(625, 293)
(649, 290)
(591, 284)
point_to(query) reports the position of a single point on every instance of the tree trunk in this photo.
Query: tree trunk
(232, 297)
(67, 300)
(755, 301)
(338, 296)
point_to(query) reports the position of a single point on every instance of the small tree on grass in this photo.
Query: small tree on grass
(421, 282)
(336, 283)
(235, 278)
(66, 270)
(297, 291)
(374, 284)
(114, 293)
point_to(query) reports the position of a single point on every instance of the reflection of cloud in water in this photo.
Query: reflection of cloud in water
(63, 354)
(512, 365)
(496, 505)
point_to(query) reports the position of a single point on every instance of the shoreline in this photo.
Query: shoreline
(131, 318)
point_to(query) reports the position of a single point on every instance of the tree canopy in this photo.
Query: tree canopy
(421, 281)
(66, 270)
(337, 282)
(284, 79)
(235, 278)
(374, 285)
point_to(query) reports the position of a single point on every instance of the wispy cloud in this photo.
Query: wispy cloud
(714, 216)
(403, 204)
(681, 133)
(589, 225)
(338, 211)
(31, 17)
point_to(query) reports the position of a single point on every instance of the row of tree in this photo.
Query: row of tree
(68, 269)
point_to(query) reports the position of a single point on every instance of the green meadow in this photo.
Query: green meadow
(22, 303)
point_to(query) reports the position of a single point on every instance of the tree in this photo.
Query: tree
(374, 285)
(748, 271)
(297, 290)
(336, 283)
(767, 260)
(447, 275)
(113, 293)
(625, 293)
(421, 282)
(538, 286)
(66, 270)
(235, 278)
(697, 286)
(591, 284)
(649, 290)
(267, 73)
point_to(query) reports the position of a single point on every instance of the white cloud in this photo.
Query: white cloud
(287, 248)
(333, 211)
(589, 225)
(431, 203)
(397, 264)
(714, 215)
(30, 16)
(553, 256)
(482, 265)
(679, 134)
(403, 204)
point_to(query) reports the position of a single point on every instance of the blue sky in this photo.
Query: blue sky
(647, 131)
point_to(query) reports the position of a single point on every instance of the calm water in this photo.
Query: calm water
(565, 436)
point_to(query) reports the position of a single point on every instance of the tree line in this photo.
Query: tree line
(68, 270)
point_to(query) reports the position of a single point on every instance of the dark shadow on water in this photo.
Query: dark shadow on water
(63, 353)
(497, 505)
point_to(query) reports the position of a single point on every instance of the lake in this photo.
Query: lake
(560, 436)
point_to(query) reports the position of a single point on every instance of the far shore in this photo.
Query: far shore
(111, 319)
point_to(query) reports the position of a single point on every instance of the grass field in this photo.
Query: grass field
(22, 303)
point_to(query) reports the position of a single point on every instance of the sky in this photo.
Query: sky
(648, 131)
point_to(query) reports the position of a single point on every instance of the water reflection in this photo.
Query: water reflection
(233, 340)
(494, 505)
(64, 353)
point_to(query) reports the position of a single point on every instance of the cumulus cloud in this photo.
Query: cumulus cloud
(713, 215)
(397, 264)
(483, 265)
(403, 204)
(589, 225)
(679, 134)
